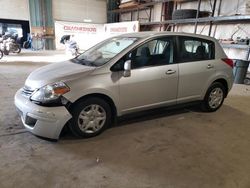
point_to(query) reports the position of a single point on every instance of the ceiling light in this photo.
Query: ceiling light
(87, 20)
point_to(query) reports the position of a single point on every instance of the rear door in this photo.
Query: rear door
(196, 59)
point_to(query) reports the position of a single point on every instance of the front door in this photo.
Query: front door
(153, 81)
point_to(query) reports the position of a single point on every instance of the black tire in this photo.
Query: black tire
(184, 13)
(247, 81)
(81, 106)
(206, 105)
(18, 49)
(26, 44)
(6, 52)
(1, 54)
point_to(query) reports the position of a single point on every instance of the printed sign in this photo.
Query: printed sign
(121, 27)
(87, 35)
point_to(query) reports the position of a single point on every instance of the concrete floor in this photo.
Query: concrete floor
(169, 149)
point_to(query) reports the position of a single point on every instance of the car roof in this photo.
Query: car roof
(149, 34)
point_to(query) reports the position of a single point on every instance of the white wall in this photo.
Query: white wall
(78, 10)
(67, 10)
(14, 9)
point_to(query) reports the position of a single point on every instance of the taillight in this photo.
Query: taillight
(228, 61)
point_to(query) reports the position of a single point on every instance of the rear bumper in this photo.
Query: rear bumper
(230, 82)
(41, 121)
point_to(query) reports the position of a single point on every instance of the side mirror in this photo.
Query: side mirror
(127, 68)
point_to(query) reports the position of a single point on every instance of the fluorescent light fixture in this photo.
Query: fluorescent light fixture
(87, 20)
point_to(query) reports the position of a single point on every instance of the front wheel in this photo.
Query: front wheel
(91, 116)
(1, 54)
(214, 97)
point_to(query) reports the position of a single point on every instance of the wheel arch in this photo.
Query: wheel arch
(106, 98)
(224, 83)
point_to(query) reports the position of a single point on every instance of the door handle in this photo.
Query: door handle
(170, 72)
(209, 66)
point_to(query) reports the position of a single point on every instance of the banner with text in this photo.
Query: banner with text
(87, 35)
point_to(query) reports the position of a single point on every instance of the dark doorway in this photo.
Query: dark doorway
(6, 25)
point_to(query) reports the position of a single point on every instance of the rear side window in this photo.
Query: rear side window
(195, 49)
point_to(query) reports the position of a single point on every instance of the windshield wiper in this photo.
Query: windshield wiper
(84, 62)
(87, 63)
(90, 63)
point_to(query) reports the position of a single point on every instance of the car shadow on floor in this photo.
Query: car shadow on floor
(156, 113)
(141, 117)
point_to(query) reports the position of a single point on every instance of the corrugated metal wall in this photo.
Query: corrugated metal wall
(14, 9)
(66, 10)
(78, 10)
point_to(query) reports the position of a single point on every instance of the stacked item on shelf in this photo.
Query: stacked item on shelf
(131, 3)
(189, 13)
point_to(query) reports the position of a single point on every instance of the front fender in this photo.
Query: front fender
(73, 97)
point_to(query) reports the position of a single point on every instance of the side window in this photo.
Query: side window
(153, 53)
(194, 49)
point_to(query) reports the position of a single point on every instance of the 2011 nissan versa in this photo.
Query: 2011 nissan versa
(121, 75)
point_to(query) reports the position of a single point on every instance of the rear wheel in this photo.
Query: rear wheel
(214, 97)
(91, 116)
(17, 49)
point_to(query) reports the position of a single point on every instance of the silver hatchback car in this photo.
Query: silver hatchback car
(121, 75)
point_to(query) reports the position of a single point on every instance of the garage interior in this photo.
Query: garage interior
(165, 148)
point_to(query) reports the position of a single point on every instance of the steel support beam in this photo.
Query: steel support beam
(211, 23)
(197, 16)
(41, 21)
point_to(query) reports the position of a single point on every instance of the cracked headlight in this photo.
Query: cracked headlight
(50, 93)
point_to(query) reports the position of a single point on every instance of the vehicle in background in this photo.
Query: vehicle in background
(8, 44)
(27, 43)
(122, 75)
(1, 54)
(71, 46)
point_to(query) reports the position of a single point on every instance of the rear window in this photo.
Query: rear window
(195, 49)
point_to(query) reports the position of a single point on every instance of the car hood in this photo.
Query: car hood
(62, 71)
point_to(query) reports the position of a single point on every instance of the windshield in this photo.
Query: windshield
(105, 51)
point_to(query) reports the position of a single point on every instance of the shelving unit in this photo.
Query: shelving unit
(148, 7)
(163, 23)
(211, 20)
(221, 19)
(236, 46)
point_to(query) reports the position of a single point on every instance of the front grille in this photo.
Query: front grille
(26, 91)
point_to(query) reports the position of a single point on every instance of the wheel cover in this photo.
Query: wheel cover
(92, 118)
(215, 98)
